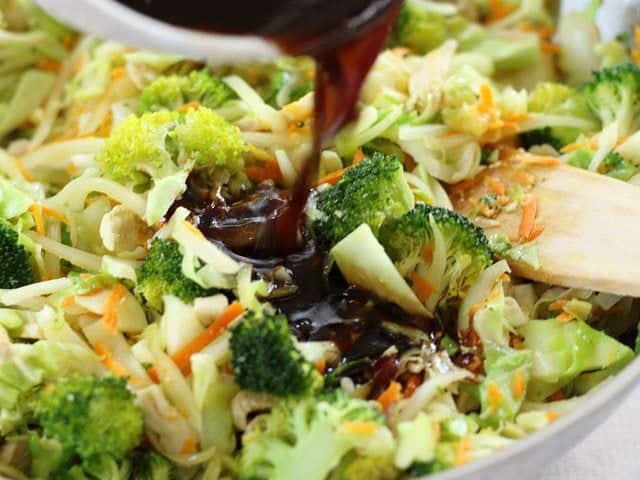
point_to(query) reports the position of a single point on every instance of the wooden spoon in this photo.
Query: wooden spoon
(591, 222)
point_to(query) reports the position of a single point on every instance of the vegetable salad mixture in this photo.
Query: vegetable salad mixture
(145, 333)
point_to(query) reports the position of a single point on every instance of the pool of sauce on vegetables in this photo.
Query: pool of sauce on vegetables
(266, 228)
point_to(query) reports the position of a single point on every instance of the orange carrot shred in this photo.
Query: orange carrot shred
(182, 358)
(331, 178)
(391, 395)
(109, 362)
(497, 11)
(557, 305)
(321, 365)
(265, 172)
(485, 101)
(565, 317)
(36, 211)
(49, 65)
(496, 185)
(427, 253)
(528, 216)
(67, 301)
(111, 305)
(358, 157)
(189, 446)
(117, 73)
(53, 214)
(518, 385)
(413, 382)
(421, 287)
(549, 48)
(494, 395)
(552, 416)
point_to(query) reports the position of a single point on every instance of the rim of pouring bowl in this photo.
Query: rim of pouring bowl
(111, 20)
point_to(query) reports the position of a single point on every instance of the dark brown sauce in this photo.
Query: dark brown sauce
(265, 227)
(344, 36)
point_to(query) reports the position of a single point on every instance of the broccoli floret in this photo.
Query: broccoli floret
(286, 444)
(16, 270)
(171, 91)
(90, 417)
(367, 193)
(613, 165)
(265, 358)
(422, 29)
(160, 144)
(567, 106)
(440, 252)
(161, 274)
(613, 94)
(616, 166)
(151, 466)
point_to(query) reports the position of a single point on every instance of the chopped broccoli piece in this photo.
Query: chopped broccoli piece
(422, 29)
(439, 251)
(160, 144)
(286, 444)
(370, 192)
(171, 91)
(16, 270)
(151, 466)
(161, 274)
(91, 417)
(265, 358)
(566, 105)
(373, 467)
(613, 94)
(613, 165)
(616, 166)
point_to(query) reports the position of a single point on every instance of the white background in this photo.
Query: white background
(611, 452)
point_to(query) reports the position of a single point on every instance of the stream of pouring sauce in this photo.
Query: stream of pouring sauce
(266, 228)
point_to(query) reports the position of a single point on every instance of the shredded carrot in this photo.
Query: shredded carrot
(49, 65)
(542, 32)
(549, 48)
(20, 167)
(182, 358)
(528, 216)
(518, 385)
(109, 362)
(541, 160)
(635, 55)
(267, 171)
(463, 450)
(50, 212)
(565, 317)
(358, 157)
(427, 253)
(552, 416)
(189, 446)
(104, 129)
(494, 395)
(486, 102)
(556, 396)
(321, 365)
(391, 395)
(187, 106)
(523, 177)
(117, 73)
(67, 301)
(413, 382)
(36, 211)
(636, 35)
(331, 178)
(557, 305)
(360, 428)
(463, 186)
(497, 11)
(111, 305)
(421, 287)
(496, 185)
(572, 147)
(536, 231)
